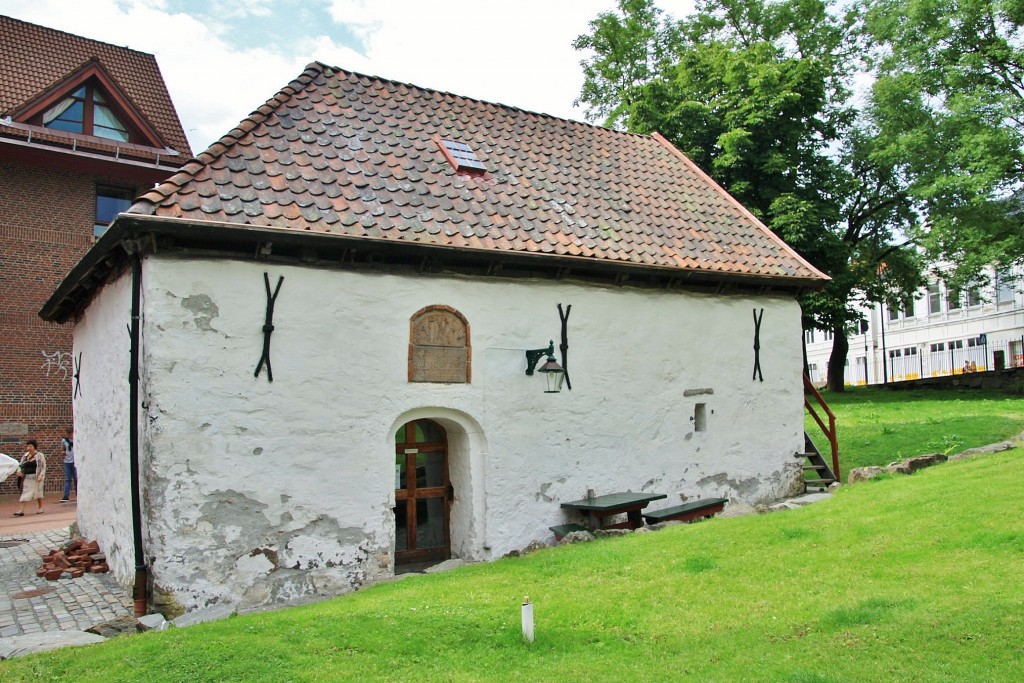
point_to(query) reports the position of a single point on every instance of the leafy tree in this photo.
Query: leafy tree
(757, 92)
(630, 48)
(948, 103)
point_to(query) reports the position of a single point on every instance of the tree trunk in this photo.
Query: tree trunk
(837, 361)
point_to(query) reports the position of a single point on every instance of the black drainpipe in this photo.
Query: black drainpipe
(141, 574)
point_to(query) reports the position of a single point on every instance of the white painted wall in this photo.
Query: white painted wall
(101, 426)
(260, 492)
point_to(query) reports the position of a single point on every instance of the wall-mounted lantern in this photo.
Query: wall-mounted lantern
(553, 372)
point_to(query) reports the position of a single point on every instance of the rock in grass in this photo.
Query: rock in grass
(200, 616)
(577, 537)
(603, 533)
(153, 622)
(19, 646)
(116, 627)
(863, 474)
(983, 450)
(919, 462)
(447, 565)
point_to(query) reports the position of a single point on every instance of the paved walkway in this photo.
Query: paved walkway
(56, 515)
(29, 604)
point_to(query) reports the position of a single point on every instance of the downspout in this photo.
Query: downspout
(141, 591)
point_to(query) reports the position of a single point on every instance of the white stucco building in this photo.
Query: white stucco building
(414, 245)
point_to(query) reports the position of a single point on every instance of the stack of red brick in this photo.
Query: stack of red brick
(73, 560)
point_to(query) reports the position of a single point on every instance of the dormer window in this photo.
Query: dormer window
(461, 157)
(86, 111)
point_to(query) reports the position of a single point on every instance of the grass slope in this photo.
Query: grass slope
(878, 426)
(900, 579)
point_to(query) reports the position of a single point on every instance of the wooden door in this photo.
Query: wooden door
(423, 493)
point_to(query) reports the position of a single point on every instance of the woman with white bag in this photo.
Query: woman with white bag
(33, 472)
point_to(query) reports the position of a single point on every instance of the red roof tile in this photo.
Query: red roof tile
(34, 58)
(345, 154)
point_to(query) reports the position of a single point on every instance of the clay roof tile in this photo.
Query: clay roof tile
(373, 168)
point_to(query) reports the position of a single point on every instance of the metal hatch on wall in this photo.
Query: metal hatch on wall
(423, 494)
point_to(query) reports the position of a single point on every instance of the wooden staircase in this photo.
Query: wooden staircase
(817, 473)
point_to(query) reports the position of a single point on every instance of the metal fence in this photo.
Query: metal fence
(956, 357)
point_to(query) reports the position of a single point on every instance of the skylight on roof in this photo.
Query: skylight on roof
(462, 157)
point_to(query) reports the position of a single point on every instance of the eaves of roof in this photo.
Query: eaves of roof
(214, 239)
(35, 141)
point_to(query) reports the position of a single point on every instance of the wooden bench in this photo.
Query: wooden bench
(563, 530)
(705, 507)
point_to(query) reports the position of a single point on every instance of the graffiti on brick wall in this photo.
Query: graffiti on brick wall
(58, 361)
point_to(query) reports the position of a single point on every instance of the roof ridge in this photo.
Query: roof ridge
(79, 37)
(478, 100)
(147, 202)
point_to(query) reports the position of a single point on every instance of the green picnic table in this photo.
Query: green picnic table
(600, 508)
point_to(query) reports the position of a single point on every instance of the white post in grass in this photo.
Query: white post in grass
(527, 619)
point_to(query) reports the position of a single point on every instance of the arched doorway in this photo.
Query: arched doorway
(423, 493)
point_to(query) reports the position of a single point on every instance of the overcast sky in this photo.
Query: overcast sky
(224, 58)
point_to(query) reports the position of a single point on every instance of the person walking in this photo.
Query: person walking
(70, 474)
(32, 473)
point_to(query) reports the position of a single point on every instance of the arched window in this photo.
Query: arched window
(439, 348)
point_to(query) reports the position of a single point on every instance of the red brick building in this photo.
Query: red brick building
(84, 127)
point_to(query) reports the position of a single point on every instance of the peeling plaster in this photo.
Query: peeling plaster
(318, 556)
(544, 488)
(203, 311)
(323, 543)
(255, 563)
(721, 483)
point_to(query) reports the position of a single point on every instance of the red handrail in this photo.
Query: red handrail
(830, 430)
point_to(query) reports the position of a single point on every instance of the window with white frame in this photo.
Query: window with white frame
(954, 298)
(1004, 287)
(812, 372)
(934, 298)
(974, 296)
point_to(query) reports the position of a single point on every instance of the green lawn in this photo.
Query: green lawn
(878, 426)
(900, 579)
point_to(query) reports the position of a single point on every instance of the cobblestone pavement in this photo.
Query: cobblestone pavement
(65, 604)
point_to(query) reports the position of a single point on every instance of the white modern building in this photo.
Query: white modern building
(941, 331)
